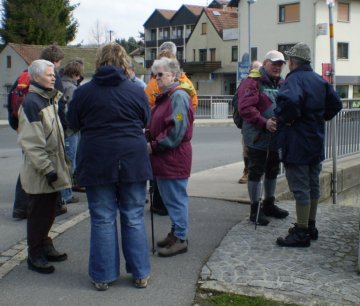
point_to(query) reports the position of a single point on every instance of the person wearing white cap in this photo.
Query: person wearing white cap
(256, 104)
(304, 103)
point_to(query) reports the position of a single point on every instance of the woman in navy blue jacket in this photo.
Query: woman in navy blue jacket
(113, 164)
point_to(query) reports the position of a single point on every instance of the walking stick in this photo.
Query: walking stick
(262, 184)
(151, 194)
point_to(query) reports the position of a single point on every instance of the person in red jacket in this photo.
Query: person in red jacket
(169, 143)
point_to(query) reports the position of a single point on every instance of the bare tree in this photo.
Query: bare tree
(98, 33)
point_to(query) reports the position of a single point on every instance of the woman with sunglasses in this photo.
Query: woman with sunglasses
(169, 143)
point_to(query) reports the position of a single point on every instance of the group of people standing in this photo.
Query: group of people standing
(125, 133)
(284, 121)
(122, 144)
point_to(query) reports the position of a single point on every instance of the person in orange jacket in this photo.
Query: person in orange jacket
(168, 49)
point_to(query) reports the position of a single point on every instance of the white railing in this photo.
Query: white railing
(347, 122)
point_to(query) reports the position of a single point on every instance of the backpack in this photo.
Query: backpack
(236, 116)
(17, 95)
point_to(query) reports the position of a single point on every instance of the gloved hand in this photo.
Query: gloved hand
(51, 177)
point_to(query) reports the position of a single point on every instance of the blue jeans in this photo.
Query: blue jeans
(71, 143)
(104, 201)
(174, 195)
(304, 182)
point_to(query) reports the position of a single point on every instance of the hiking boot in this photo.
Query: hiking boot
(72, 200)
(244, 178)
(298, 237)
(163, 243)
(272, 210)
(176, 246)
(51, 254)
(19, 214)
(40, 264)
(312, 230)
(100, 286)
(141, 282)
(253, 211)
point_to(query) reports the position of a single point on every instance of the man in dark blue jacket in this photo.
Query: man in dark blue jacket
(304, 103)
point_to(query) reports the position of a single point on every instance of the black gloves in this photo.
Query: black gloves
(51, 177)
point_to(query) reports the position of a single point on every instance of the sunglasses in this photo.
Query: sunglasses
(160, 74)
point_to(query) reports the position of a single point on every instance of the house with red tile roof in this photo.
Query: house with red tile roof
(212, 52)
(15, 58)
(169, 25)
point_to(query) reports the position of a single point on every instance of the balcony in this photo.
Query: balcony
(205, 67)
(150, 43)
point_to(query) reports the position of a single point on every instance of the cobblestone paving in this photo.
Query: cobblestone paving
(249, 262)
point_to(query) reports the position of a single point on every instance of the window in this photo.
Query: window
(343, 12)
(166, 33)
(153, 54)
(203, 28)
(342, 51)
(189, 29)
(343, 91)
(289, 12)
(8, 61)
(253, 54)
(179, 32)
(180, 54)
(153, 34)
(194, 55)
(285, 47)
(202, 55)
(234, 53)
(212, 55)
(356, 91)
(161, 34)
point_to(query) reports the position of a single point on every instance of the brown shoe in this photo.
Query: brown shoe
(244, 178)
(175, 247)
(163, 243)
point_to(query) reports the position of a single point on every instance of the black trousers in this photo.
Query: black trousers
(261, 162)
(41, 216)
(158, 202)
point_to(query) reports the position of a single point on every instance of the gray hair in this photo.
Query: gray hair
(37, 68)
(169, 65)
(298, 61)
(168, 45)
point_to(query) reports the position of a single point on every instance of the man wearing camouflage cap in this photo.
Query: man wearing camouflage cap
(304, 103)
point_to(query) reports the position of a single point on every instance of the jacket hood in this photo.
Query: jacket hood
(109, 76)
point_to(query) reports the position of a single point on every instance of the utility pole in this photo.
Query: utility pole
(249, 27)
(330, 4)
(110, 32)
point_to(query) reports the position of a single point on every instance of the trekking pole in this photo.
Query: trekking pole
(151, 194)
(262, 184)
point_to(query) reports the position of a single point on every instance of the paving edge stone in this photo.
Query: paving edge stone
(21, 247)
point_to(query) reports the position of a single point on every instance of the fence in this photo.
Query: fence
(347, 122)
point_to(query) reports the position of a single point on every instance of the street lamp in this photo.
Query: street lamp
(249, 25)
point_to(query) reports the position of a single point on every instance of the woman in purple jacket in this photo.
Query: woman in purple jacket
(113, 164)
(170, 133)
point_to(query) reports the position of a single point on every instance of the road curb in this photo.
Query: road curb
(13, 256)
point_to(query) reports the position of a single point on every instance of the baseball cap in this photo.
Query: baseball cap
(275, 56)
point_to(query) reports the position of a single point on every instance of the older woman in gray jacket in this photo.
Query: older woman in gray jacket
(44, 171)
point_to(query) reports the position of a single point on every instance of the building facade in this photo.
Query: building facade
(280, 24)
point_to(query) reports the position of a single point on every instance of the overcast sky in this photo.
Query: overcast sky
(125, 18)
